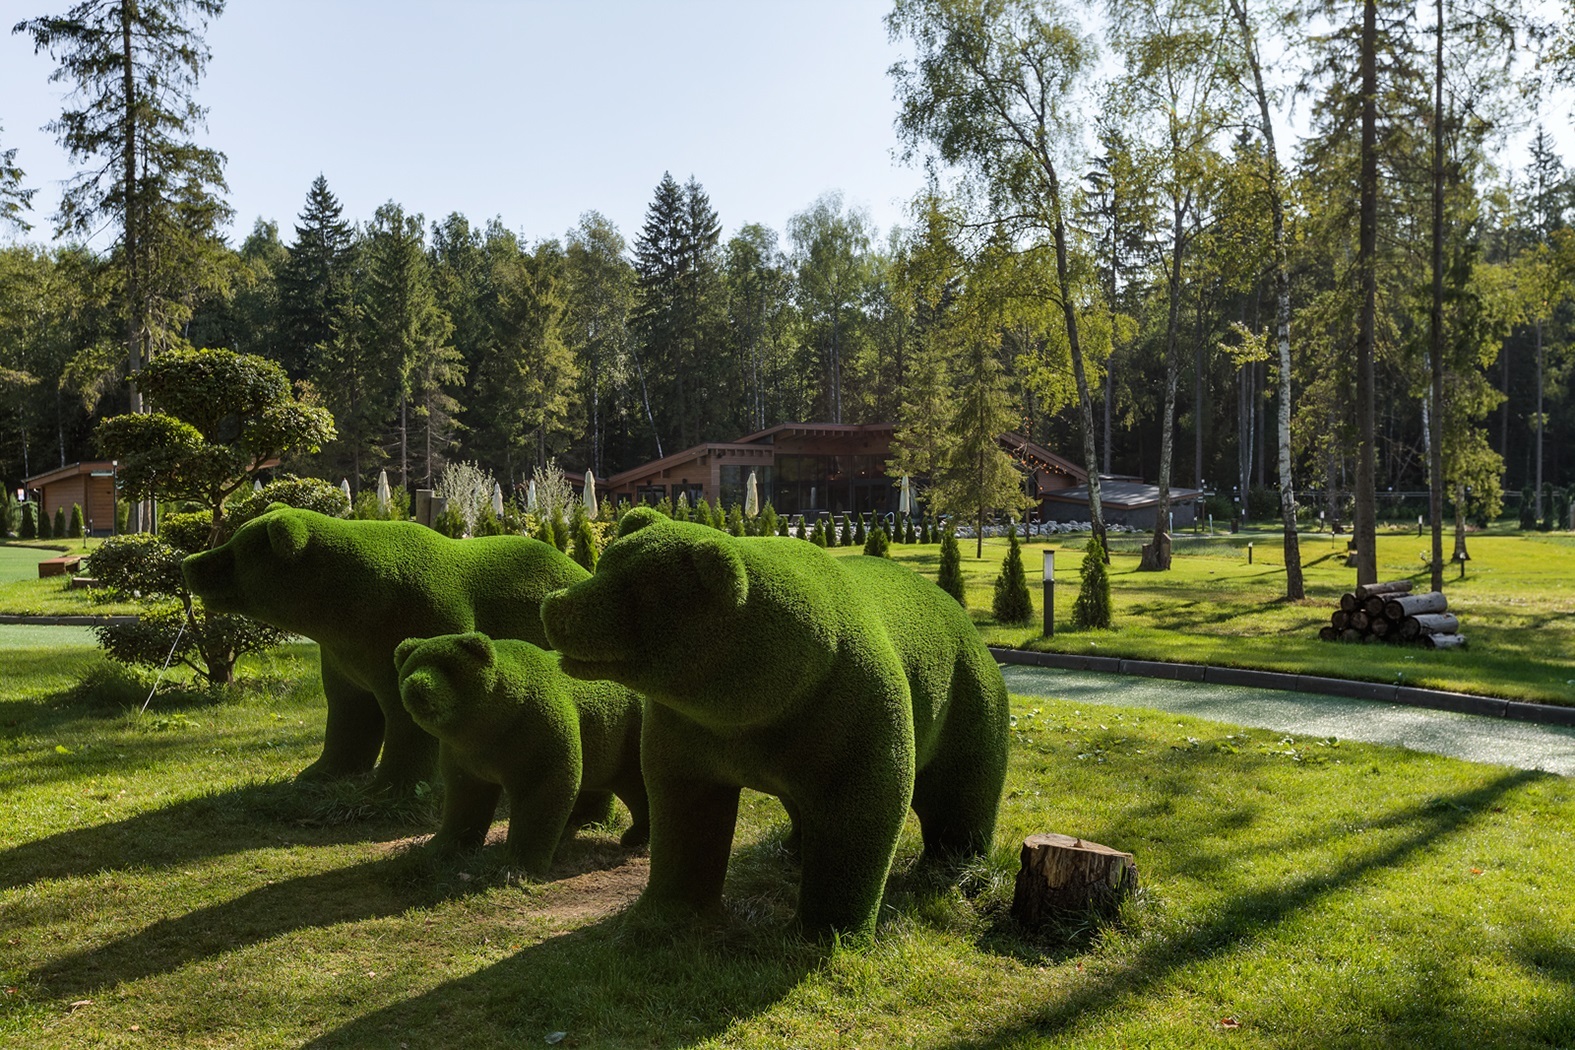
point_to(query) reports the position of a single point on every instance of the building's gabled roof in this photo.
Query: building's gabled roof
(100, 467)
(769, 434)
(688, 455)
(1036, 457)
(1125, 495)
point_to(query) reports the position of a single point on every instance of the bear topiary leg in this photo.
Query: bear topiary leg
(633, 795)
(958, 792)
(592, 807)
(539, 808)
(846, 848)
(409, 752)
(354, 732)
(469, 803)
(691, 836)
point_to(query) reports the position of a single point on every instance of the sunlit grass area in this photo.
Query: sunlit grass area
(1516, 605)
(163, 883)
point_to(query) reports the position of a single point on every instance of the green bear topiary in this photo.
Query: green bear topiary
(359, 588)
(848, 687)
(509, 720)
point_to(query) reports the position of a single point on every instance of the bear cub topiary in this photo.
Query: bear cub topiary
(358, 589)
(508, 719)
(850, 688)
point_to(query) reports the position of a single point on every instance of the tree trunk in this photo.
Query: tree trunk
(1365, 524)
(1435, 348)
(1061, 875)
(1157, 557)
(1085, 402)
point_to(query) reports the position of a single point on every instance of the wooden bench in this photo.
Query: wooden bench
(66, 563)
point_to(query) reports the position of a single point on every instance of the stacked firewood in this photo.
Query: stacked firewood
(1389, 612)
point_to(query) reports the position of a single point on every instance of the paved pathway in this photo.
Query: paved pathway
(1473, 737)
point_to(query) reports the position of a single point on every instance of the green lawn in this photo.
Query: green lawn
(22, 592)
(162, 883)
(1516, 606)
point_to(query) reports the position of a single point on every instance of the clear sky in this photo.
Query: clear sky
(529, 110)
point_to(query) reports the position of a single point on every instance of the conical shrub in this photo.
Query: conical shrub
(1092, 608)
(1012, 602)
(950, 579)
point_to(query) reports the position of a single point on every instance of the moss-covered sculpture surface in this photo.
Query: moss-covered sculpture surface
(508, 719)
(849, 688)
(359, 588)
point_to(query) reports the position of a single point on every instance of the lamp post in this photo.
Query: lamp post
(1419, 524)
(1049, 580)
(1249, 553)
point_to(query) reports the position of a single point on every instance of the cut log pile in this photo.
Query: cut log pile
(1388, 612)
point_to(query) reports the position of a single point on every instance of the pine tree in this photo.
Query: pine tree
(1012, 603)
(950, 578)
(1092, 608)
(314, 283)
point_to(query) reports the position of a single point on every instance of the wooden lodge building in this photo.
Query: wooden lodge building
(90, 485)
(811, 468)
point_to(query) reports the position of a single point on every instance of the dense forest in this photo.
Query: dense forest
(1145, 276)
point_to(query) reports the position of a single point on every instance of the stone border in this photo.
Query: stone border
(64, 621)
(1436, 699)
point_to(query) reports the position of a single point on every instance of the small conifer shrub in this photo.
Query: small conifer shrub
(879, 544)
(78, 526)
(582, 546)
(950, 578)
(735, 520)
(1092, 608)
(28, 530)
(560, 534)
(45, 530)
(1012, 603)
(908, 535)
(61, 525)
(818, 537)
(768, 521)
(859, 535)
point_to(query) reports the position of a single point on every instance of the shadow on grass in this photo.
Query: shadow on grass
(613, 982)
(1242, 920)
(217, 823)
(370, 890)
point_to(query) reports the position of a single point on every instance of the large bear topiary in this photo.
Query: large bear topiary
(850, 688)
(508, 719)
(359, 588)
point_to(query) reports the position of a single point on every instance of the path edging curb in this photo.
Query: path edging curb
(1410, 696)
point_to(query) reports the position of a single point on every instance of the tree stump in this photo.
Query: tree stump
(1156, 555)
(1061, 874)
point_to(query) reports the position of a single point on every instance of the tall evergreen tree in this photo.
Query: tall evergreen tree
(132, 67)
(314, 282)
(600, 295)
(14, 197)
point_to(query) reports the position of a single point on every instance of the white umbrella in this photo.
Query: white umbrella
(751, 496)
(530, 496)
(497, 500)
(905, 498)
(590, 495)
(384, 496)
(257, 484)
(344, 486)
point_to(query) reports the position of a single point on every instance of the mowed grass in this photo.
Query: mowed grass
(23, 593)
(1516, 606)
(163, 883)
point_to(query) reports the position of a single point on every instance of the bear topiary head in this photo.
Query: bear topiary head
(661, 587)
(449, 682)
(231, 578)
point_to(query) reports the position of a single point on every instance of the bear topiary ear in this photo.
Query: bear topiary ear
(721, 572)
(479, 646)
(403, 650)
(288, 537)
(637, 519)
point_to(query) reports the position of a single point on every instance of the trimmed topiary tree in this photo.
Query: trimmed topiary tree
(1092, 608)
(1012, 602)
(359, 588)
(506, 716)
(950, 578)
(850, 686)
(878, 545)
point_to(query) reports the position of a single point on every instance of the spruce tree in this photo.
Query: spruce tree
(583, 545)
(908, 534)
(859, 535)
(879, 544)
(314, 283)
(45, 530)
(950, 578)
(1092, 608)
(735, 520)
(782, 526)
(818, 537)
(801, 528)
(61, 524)
(29, 527)
(78, 526)
(768, 520)
(1012, 603)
